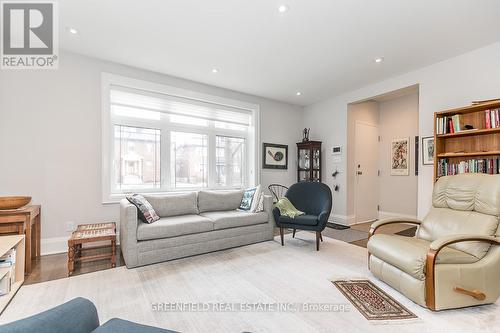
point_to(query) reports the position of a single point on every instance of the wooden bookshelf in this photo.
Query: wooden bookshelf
(7, 243)
(480, 142)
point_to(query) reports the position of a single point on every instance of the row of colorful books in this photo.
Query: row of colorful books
(8, 260)
(492, 118)
(488, 165)
(449, 124)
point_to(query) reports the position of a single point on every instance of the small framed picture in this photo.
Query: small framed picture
(400, 157)
(428, 150)
(274, 156)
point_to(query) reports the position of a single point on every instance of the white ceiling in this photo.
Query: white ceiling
(319, 47)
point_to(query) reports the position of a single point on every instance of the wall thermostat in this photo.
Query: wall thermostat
(337, 150)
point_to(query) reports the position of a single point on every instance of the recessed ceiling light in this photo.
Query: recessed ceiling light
(283, 8)
(215, 70)
(298, 93)
(73, 31)
(379, 60)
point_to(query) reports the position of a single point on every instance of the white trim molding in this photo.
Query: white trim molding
(346, 220)
(386, 215)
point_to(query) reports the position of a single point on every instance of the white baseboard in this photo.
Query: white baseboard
(57, 245)
(387, 215)
(346, 220)
(54, 245)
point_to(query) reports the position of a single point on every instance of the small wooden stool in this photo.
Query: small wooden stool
(88, 233)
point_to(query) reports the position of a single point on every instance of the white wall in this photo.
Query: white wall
(451, 83)
(50, 138)
(398, 118)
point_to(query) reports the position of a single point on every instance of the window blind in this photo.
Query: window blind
(158, 102)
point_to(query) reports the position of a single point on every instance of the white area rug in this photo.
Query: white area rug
(264, 273)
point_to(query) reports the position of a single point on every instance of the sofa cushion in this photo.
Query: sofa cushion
(235, 218)
(300, 220)
(212, 201)
(174, 204)
(442, 222)
(174, 226)
(466, 192)
(409, 253)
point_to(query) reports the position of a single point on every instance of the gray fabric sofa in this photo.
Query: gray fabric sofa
(190, 224)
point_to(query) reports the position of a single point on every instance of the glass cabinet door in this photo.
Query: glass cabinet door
(304, 165)
(304, 159)
(316, 152)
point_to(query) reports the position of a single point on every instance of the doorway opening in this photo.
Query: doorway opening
(382, 160)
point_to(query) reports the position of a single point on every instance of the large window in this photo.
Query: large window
(188, 158)
(158, 138)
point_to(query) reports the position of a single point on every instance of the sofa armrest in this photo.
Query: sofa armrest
(128, 232)
(430, 264)
(442, 242)
(268, 208)
(395, 220)
(77, 316)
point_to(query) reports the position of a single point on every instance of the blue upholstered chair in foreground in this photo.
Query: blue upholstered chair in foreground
(76, 316)
(314, 199)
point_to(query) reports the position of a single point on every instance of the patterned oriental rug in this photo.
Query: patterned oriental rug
(373, 303)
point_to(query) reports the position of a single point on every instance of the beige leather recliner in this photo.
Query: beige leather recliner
(454, 259)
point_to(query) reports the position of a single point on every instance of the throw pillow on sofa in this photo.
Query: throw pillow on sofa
(250, 200)
(260, 204)
(144, 209)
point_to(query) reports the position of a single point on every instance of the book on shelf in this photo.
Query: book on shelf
(455, 123)
(450, 124)
(492, 118)
(486, 165)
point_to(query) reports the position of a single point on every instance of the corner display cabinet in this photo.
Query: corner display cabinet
(309, 161)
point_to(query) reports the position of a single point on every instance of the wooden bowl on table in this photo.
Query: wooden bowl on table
(13, 202)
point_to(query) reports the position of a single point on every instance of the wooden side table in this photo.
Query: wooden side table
(89, 233)
(25, 220)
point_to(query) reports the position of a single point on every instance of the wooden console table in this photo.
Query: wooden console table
(25, 220)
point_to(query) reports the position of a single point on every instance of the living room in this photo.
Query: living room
(194, 166)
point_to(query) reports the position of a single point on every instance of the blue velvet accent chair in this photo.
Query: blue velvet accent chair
(314, 199)
(76, 316)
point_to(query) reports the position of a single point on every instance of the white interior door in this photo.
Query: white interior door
(366, 153)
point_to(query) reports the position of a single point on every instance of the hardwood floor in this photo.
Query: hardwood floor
(54, 266)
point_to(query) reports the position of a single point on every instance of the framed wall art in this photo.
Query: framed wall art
(428, 150)
(400, 163)
(274, 156)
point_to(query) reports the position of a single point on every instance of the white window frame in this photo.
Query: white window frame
(252, 136)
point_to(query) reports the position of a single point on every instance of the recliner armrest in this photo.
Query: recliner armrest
(430, 264)
(438, 244)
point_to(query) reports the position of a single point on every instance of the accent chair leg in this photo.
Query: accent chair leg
(320, 237)
(317, 240)
(293, 235)
(282, 239)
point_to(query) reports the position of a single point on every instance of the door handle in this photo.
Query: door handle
(359, 173)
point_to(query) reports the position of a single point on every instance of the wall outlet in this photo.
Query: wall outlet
(70, 226)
